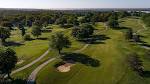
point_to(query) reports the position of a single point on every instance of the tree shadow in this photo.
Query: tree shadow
(122, 28)
(12, 43)
(121, 21)
(20, 81)
(145, 44)
(29, 82)
(59, 64)
(142, 36)
(14, 81)
(146, 74)
(99, 39)
(46, 30)
(42, 38)
(95, 39)
(31, 39)
(81, 58)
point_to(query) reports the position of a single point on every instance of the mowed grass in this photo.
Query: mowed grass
(113, 67)
(29, 50)
(131, 22)
(24, 74)
(33, 49)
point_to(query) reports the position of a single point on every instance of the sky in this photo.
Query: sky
(47, 4)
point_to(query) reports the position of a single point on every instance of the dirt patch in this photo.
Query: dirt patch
(65, 67)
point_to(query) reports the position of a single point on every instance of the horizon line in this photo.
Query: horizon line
(75, 8)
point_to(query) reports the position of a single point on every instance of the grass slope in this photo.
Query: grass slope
(112, 55)
(28, 51)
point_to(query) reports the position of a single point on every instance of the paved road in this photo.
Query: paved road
(30, 64)
(33, 75)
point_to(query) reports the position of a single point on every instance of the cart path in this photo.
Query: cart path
(30, 64)
(33, 75)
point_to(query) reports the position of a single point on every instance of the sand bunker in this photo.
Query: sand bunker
(65, 68)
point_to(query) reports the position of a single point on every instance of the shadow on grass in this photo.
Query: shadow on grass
(144, 44)
(11, 43)
(14, 81)
(122, 28)
(146, 74)
(95, 39)
(81, 58)
(98, 39)
(42, 38)
(121, 21)
(47, 31)
(20, 81)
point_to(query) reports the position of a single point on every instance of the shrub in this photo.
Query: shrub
(136, 38)
(27, 37)
(136, 63)
(129, 34)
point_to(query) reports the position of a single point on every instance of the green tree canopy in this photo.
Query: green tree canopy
(129, 34)
(7, 24)
(84, 31)
(4, 33)
(59, 41)
(36, 31)
(113, 20)
(8, 60)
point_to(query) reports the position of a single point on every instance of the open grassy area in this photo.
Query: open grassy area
(30, 50)
(28, 53)
(131, 22)
(111, 53)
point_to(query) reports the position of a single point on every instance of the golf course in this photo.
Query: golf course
(74, 47)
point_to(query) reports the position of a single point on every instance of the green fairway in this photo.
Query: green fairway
(75, 45)
(131, 22)
(28, 51)
(113, 67)
(111, 52)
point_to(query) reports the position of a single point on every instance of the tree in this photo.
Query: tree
(84, 31)
(123, 14)
(129, 34)
(38, 23)
(82, 20)
(72, 20)
(136, 38)
(27, 37)
(135, 63)
(113, 21)
(88, 28)
(23, 31)
(8, 60)
(4, 34)
(36, 31)
(59, 41)
(7, 24)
